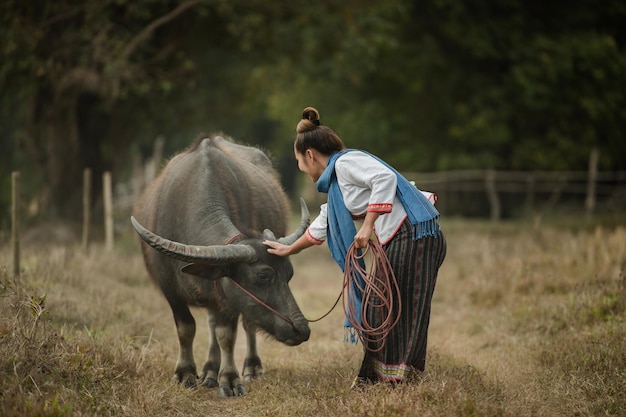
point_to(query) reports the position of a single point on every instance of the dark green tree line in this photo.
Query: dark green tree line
(66, 65)
(540, 83)
(429, 85)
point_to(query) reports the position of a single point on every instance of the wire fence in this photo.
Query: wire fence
(510, 193)
(492, 194)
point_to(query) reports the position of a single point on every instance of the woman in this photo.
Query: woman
(360, 186)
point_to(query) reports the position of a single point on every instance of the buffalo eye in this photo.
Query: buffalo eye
(265, 275)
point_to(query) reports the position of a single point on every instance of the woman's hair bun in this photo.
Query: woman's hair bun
(312, 135)
(311, 113)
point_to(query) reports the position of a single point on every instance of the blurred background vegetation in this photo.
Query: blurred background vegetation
(429, 85)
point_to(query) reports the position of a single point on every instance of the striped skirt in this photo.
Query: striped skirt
(415, 264)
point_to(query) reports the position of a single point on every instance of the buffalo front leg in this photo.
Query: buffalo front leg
(212, 366)
(252, 367)
(185, 372)
(228, 377)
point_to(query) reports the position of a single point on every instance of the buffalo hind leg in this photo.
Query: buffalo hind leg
(252, 367)
(185, 372)
(228, 378)
(212, 366)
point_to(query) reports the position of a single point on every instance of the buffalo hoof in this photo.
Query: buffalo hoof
(252, 369)
(186, 375)
(209, 383)
(228, 392)
(253, 373)
(187, 380)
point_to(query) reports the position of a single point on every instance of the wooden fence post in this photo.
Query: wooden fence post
(108, 210)
(15, 218)
(592, 178)
(157, 153)
(86, 206)
(530, 194)
(492, 194)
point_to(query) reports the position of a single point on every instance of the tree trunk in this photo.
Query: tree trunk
(64, 170)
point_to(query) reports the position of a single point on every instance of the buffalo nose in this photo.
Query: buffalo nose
(303, 331)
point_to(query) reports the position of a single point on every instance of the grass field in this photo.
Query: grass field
(525, 322)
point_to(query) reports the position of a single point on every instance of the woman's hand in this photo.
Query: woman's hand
(363, 236)
(276, 248)
(367, 228)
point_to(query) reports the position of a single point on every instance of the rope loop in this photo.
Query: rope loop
(380, 295)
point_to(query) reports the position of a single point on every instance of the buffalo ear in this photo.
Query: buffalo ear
(201, 270)
(269, 235)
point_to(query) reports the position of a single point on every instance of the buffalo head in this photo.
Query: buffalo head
(260, 291)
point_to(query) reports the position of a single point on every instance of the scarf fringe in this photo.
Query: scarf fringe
(427, 228)
(350, 335)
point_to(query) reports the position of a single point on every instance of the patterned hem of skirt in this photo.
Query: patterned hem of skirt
(395, 372)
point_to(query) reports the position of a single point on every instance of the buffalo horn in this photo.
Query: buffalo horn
(305, 221)
(216, 254)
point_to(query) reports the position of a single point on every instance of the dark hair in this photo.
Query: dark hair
(312, 135)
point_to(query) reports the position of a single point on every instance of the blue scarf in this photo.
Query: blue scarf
(423, 216)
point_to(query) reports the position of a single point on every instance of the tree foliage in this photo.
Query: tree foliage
(428, 85)
(66, 65)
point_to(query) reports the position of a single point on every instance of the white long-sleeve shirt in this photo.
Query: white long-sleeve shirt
(366, 185)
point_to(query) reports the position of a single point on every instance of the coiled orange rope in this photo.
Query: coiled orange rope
(378, 288)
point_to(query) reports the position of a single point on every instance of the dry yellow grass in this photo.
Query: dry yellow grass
(525, 323)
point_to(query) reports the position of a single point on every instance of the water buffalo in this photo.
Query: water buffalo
(207, 215)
